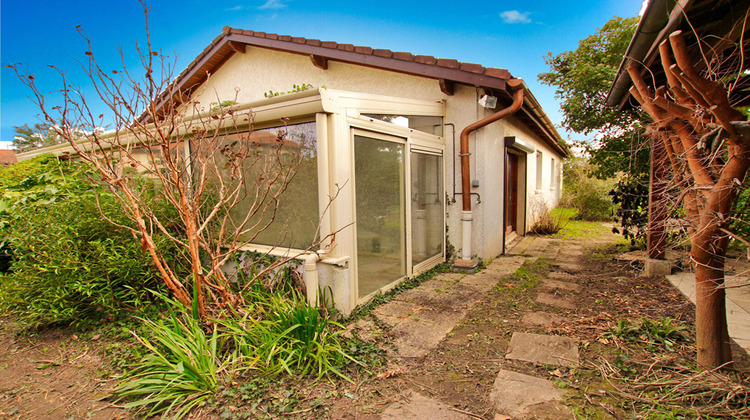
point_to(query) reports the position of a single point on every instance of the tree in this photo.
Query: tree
(30, 138)
(206, 164)
(583, 78)
(707, 142)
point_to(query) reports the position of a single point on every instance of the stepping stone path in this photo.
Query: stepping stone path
(561, 285)
(538, 319)
(517, 396)
(420, 318)
(543, 349)
(554, 300)
(417, 407)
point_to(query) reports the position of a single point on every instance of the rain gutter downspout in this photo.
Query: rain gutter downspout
(311, 277)
(466, 215)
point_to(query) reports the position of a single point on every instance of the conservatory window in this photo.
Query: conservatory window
(279, 200)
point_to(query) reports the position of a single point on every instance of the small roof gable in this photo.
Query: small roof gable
(447, 71)
(7, 157)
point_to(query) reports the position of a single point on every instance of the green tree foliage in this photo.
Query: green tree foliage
(39, 135)
(585, 193)
(583, 78)
(66, 263)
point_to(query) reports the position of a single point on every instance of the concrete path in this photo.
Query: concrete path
(421, 317)
(738, 304)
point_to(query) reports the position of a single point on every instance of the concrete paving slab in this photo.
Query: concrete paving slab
(570, 267)
(415, 337)
(414, 406)
(560, 275)
(537, 319)
(554, 300)
(738, 317)
(394, 312)
(543, 349)
(561, 285)
(522, 396)
(520, 247)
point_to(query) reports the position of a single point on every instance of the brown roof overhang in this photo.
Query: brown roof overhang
(718, 23)
(447, 71)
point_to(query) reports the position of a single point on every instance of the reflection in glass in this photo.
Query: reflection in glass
(431, 125)
(380, 222)
(426, 206)
(279, 182)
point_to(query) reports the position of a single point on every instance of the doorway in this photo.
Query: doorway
(515, 192)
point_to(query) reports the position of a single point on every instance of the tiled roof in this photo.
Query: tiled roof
(226, 44)
(396, 55)
(447, 71)
(7, 157)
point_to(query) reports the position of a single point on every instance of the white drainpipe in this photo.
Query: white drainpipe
(466, 218)
(311, 278)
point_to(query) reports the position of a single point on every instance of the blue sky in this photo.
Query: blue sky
(513, 35)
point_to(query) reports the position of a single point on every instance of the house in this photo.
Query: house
(7, 158)
(383, 131)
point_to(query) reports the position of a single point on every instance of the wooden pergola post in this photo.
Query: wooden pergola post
(657, 203)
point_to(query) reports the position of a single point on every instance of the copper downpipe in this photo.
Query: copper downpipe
(516, 84)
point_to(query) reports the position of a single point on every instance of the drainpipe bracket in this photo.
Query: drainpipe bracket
(465, 265)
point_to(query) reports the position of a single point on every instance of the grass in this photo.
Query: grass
(525, 278)
(577, 229)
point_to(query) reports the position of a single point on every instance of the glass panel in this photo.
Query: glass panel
(381, 249)
(432, 125)
(427, 231)
(281, 172)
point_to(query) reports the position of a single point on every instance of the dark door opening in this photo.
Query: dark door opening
(511, 190)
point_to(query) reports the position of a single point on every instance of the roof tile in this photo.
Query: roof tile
(425, 59)
(346, 47)
(363, 50)
(447, 62)
(498, 73)
(382, 53)
(298, 40)
(472, 67)
(328, 44)
(313, 42)
(285, 38)
(406, 56)
(272, 36)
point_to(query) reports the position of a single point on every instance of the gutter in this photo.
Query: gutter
(650, 28)
(466, 214)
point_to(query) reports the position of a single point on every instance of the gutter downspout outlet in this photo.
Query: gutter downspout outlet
(466, 216)
(311, 278)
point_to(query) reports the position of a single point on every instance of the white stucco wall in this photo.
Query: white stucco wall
(259, 70)
(245, 78)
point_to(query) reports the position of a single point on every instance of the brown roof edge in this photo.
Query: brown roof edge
(427, 66)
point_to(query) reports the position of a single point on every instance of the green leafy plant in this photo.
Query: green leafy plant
(285, 334)
(183, 367)
(664, 332)
(66, 263)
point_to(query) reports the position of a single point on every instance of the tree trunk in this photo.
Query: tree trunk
(712, 335)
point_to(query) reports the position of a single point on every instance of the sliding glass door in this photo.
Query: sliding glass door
(380, 211)
(400, 208)
(427, 206)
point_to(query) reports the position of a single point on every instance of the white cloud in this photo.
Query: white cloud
(513, 16)
(273, 5)
(235, 9)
